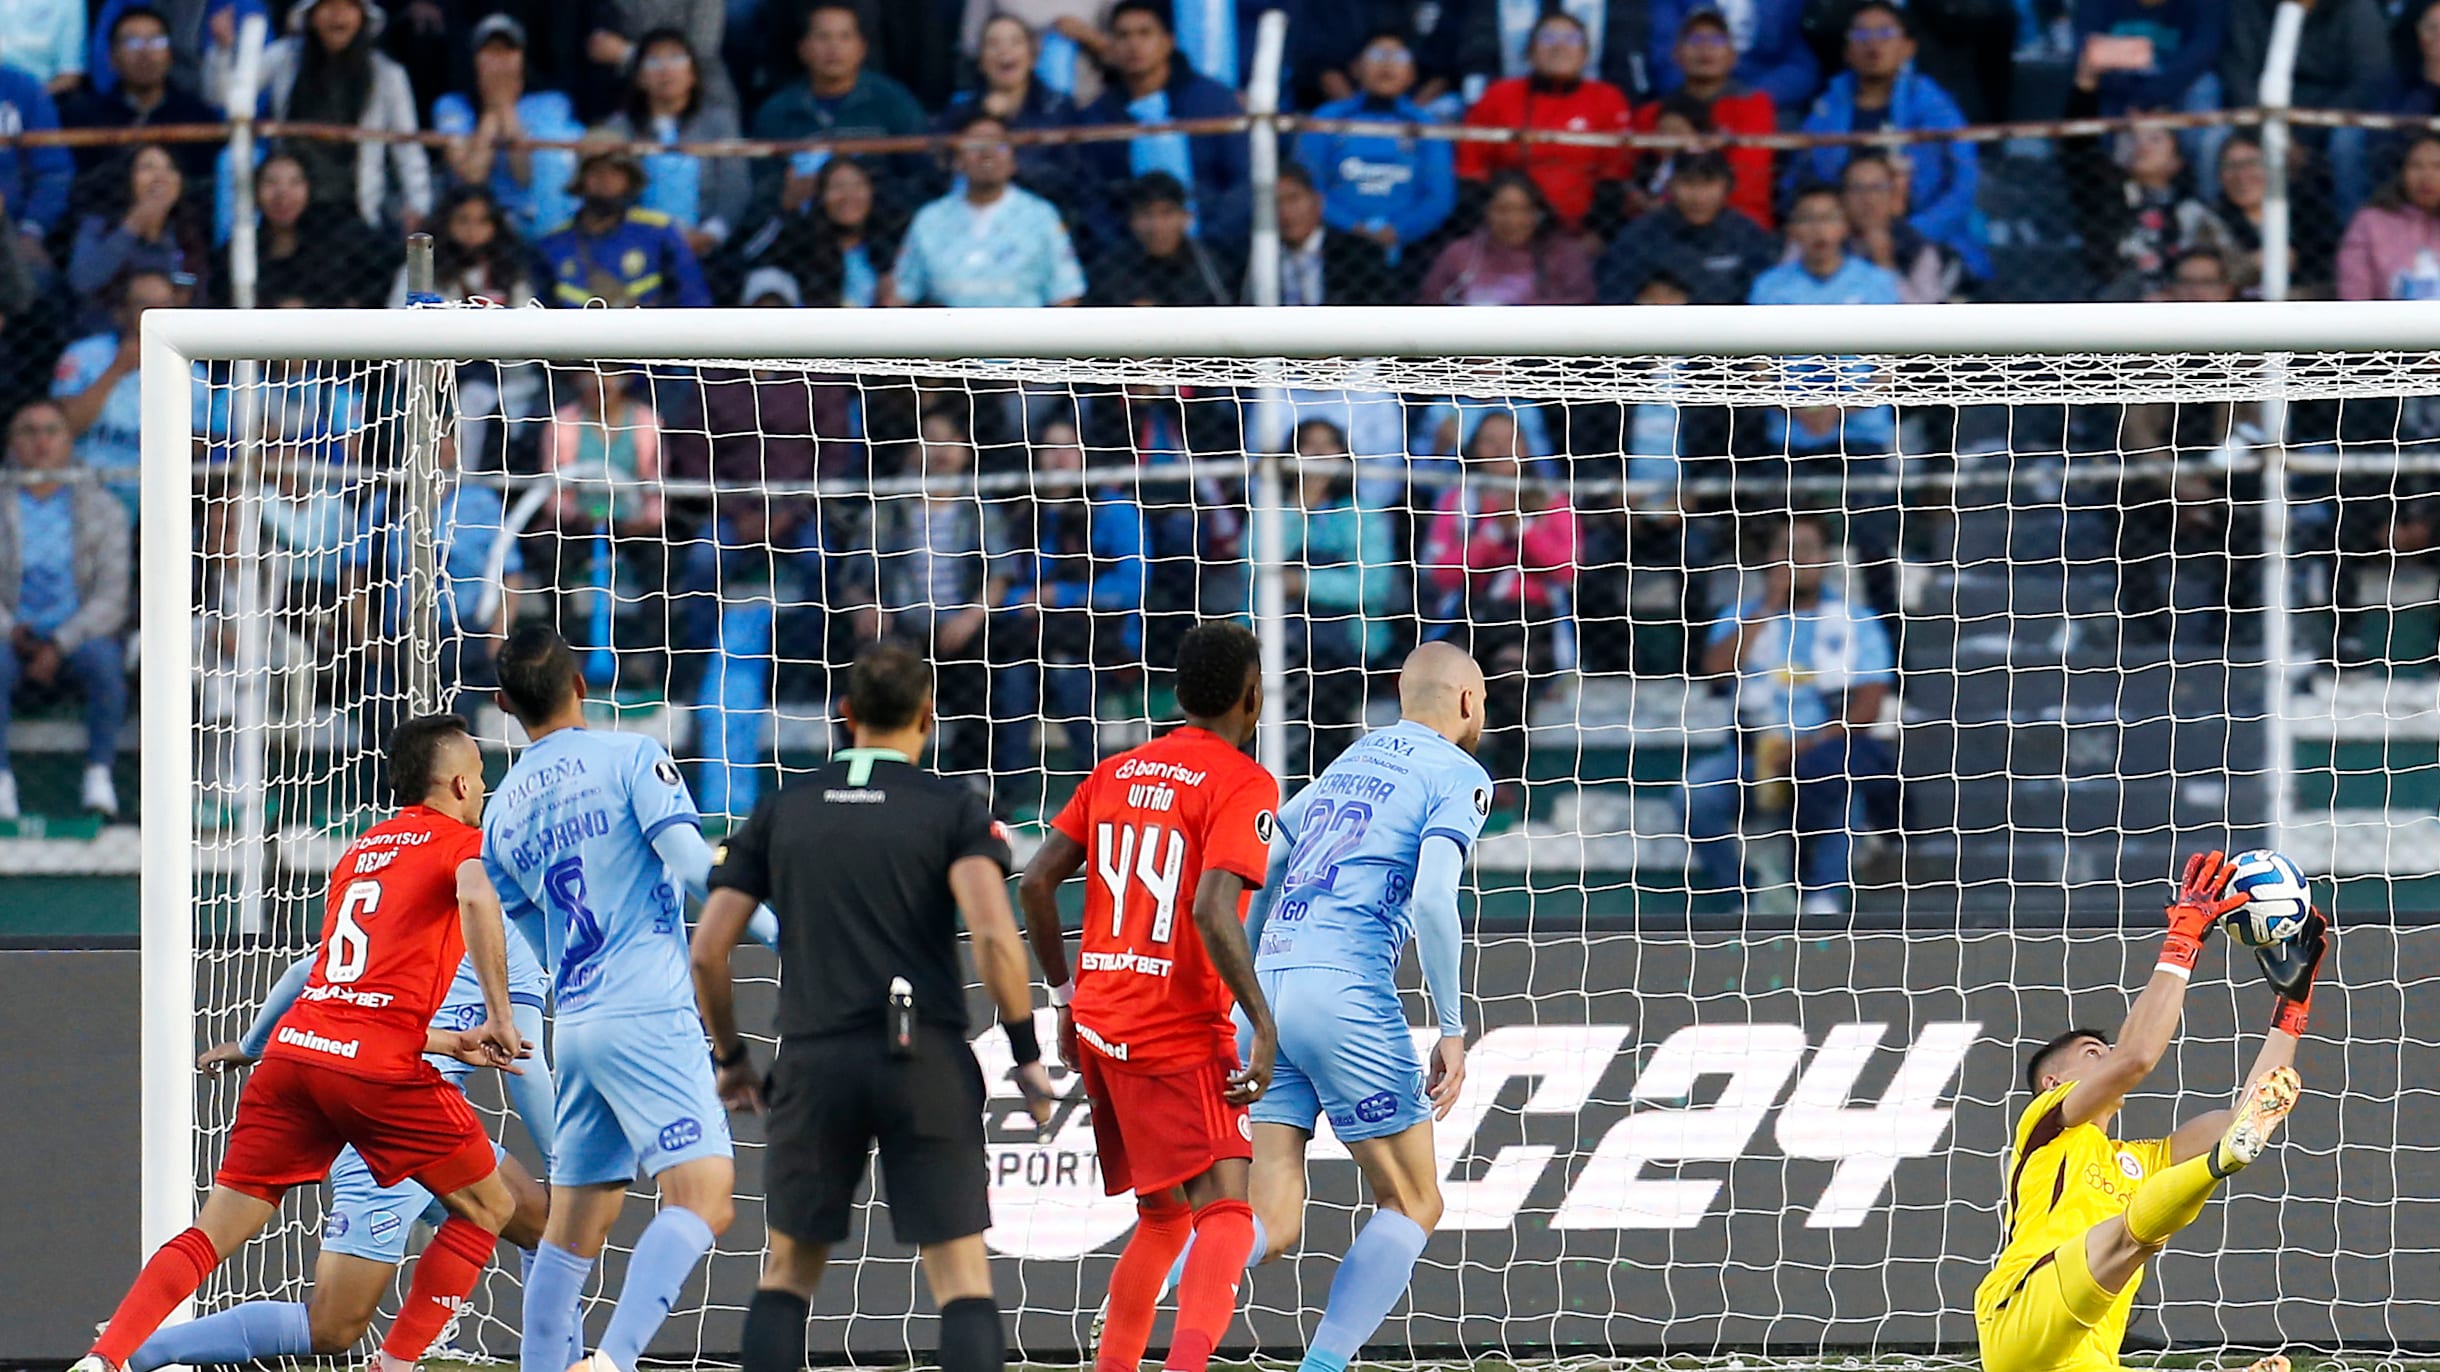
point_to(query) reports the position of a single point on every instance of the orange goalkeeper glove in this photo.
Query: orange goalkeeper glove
(2199, 907)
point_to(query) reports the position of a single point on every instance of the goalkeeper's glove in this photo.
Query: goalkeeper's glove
(2199, 907)
(2289, 968)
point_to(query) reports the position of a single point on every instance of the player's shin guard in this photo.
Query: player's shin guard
(171, 1275)
(971, 1339)
(552, 1294)
(665, 1256)
(445, 1272)
(1207, 1298)
(1161, 1230)
(775, 1332)
(1375, 1273)
(255, 1331)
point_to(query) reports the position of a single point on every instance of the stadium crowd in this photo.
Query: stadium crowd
(1032, 603)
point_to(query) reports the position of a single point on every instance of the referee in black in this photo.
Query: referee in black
(868, 863)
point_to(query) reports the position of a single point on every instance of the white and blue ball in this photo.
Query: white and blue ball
(2277, 898)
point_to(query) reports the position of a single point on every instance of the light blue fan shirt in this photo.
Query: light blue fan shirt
(567, 839)
(1355, 837)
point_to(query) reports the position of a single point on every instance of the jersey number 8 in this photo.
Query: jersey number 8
(1138, 861)
(349, 944)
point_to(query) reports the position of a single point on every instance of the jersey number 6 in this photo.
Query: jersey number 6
(349, 944)
(1138, 861)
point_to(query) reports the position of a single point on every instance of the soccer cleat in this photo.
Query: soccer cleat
(93, 1362)
(597, 1362)
(2258, 1117)
(2276, 1362)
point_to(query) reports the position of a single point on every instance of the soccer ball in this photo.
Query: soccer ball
(2276, 899)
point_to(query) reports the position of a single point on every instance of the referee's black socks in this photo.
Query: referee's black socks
(971, 1339)
(775, 1331)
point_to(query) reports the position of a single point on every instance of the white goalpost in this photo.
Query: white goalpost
(2118, 581)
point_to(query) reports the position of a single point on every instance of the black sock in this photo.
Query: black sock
(971, 1339)
(775, 1332)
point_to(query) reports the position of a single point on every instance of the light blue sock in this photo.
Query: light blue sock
(1253, 1256)
(554, 1286)
(665, 1256)
(1374, 1274)
(242, 1333)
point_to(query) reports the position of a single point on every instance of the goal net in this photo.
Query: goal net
(1858, 677)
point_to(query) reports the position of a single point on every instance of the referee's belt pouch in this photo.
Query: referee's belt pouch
(900, 1023)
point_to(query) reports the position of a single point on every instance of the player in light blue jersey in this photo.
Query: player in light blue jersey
(1371, 853)
(365, 1225)
(591, 837)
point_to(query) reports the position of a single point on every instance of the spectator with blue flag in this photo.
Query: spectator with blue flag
(666, 105)
(1153, 84)
(33, 181)
(991, 243)
(487, 130)
(1882, 92)
(616, 252)
(1392, 188)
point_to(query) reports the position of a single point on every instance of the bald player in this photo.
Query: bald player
(1371, 852)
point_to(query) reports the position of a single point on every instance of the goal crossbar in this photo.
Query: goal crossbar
(1354, 331)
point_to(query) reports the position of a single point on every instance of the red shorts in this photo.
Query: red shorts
(1161, 1124)
(294, 1117)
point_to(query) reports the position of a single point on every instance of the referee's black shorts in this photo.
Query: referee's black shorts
(832, 1098)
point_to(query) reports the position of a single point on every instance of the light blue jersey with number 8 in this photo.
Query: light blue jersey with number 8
(567, 839)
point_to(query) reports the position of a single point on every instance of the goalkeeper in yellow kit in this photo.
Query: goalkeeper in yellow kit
(2086, 1212)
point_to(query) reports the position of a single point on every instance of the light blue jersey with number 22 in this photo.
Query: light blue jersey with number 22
(567, 839)
(1355, 835)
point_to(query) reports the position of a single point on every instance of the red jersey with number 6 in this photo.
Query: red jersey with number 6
(1152, 821)
(391, 944)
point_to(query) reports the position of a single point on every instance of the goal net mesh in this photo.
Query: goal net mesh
(1848, 714)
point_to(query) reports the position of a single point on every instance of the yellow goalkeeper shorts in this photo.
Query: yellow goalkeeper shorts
(2058, 1319)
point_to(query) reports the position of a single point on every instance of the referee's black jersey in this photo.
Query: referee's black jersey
(854, 860)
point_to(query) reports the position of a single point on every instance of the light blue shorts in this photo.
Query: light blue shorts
(363, 1218)
(368, 1220)
(635, 1094)
(1345, 1052)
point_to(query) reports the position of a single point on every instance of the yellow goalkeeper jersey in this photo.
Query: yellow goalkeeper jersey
(2063, 1180)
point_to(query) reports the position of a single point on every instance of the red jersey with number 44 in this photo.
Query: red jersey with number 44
(391, 944)
(1152, 821)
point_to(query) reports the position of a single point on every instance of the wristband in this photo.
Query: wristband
(727, 1060)
(1022, 1043)
(1063, 993)
(2289, 1016)
(2178, 953)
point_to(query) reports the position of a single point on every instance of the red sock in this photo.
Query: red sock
(1161, 1229)
(1207, 1294)
(443, 1275)
(175, 1270)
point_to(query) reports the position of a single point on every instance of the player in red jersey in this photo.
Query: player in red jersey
(1187, 816)
(407, 902)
